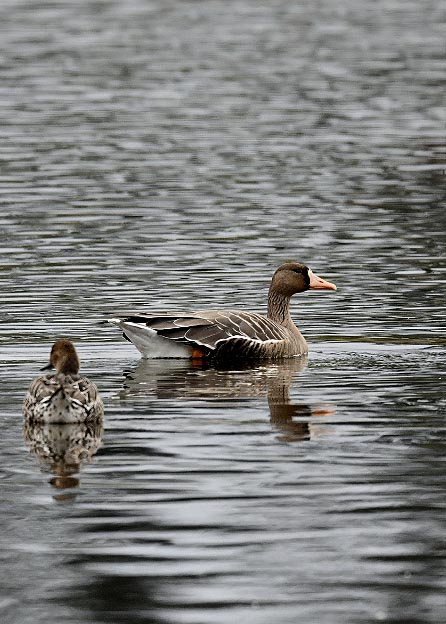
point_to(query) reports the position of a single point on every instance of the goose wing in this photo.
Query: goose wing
(211, 328)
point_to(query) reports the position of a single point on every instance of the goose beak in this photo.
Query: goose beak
(317, 283)
(47, 367)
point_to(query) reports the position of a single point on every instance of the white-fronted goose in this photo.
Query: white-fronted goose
(227, 334)
(63, 397)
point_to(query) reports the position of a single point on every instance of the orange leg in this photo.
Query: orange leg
(198, 354)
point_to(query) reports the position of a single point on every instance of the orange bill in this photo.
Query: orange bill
(317, 283)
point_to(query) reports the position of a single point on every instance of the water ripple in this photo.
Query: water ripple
(161, 155)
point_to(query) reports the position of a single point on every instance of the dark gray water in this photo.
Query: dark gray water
(173, 154)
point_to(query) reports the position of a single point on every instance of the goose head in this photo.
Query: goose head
(294, 277)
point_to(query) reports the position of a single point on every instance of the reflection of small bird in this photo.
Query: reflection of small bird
(63, 448)
(227, 334)
(64, 396)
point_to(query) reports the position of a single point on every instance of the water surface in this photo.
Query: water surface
(173, 154)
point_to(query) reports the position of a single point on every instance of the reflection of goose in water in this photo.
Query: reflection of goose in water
(294, 420)
(61, 449)
(167, 379)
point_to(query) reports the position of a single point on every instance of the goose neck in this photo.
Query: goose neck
(279, 307)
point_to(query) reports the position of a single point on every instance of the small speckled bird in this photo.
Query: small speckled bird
(64, 396)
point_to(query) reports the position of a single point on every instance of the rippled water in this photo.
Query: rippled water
(172, 154)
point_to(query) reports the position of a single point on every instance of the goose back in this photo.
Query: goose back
(219, 334)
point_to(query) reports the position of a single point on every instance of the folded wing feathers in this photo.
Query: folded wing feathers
(79, 393)
(160, 322)
(211, 327)
(41, 389)
(247, 348)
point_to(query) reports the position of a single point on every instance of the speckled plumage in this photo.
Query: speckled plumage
(61, 398)
(64, 396)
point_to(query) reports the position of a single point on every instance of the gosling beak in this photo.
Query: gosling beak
(47, 367)
(317, 283)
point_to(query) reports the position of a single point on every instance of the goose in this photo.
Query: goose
(62, 397)
(215, 335)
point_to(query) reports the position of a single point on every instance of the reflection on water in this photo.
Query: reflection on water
(62, 449)
(180, 379)
(183, 381)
